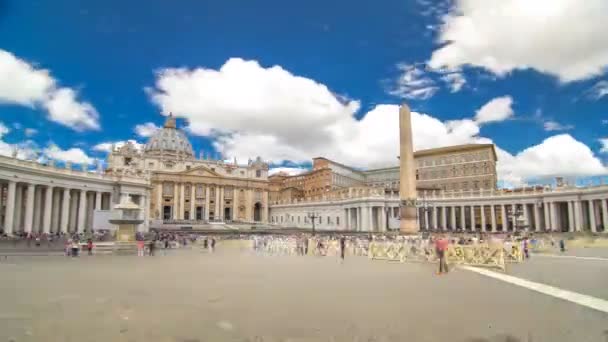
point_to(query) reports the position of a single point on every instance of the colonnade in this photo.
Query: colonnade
(47, 208)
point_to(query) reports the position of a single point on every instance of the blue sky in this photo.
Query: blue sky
(113, 65)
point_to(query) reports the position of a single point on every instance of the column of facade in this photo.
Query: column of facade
(453, 217)
(370, 218)
(98, 197)
(48, 209)
(463, 222)
(182, 201)
(265, 207)
(444, 218)
(222, 203)
(537, 216)
(217, 203)
(483, 218)
(65, 211)
(175, 210)
(56, 216)
(605, 215)
(426, 218)
(493, 217)
(192, 201)
(435, 214)
(592, 217)
(9, 214)
(526, 216)
(571, 216)
(82, 210)
(364, 219)
(347, 218)
(37, 226)
(552, 213)
(159, 201)
(578, 222)
(18, 223)
(208, 201)
(146, 224)
(472, 218)
(547, 212)
(383, 226)
(505, 221)
(29, 208)
(418, 218)
(359, 219)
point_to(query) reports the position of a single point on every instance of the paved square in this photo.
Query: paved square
(231, 296)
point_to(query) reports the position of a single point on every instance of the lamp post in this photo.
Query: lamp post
(313, 216)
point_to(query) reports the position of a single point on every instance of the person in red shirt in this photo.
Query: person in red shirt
(441, 246)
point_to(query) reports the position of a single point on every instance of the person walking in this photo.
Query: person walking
(152, 247)
(90, 246)
(441, 246)
(75, 248)
(562, 245)
(212, 245)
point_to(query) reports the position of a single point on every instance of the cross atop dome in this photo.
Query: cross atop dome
(170, 122)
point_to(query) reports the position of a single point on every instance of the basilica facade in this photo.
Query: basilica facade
(190, 190)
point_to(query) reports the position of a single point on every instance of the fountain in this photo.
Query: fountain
(128, 219)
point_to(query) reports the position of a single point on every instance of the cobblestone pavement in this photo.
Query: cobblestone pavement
(231, 296)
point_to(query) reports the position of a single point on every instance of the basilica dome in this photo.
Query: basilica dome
(169, 141)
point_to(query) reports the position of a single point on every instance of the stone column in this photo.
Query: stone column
(265, 207)
(605, 215)
(552, 215)
(182, 201)
(222, 204)
(18, 223)
(65, 211)
(435, 213)
(444, 218)
(56, 216)
(98, 200)
(9, 214)
(37, 226)
(505, 221)
(217, 204)
(359, 219)
(463, 221)
(526, 216)
(48, 209)
(29, 208)
(578, 222)
(571, 216)
(407, 173)
(382, 227)
(207, 202)
(453, 217)
(146, 224)
(483, 218)
(537, 216)
(192, 201)
(159, 201)
(592, 223)
(365, 219)
(493, 217)
(370, 218)
(547, 212)
(235, 204)
(427, 226)
(175, 213)
(472, 218)
(82, 206)
(347, 218)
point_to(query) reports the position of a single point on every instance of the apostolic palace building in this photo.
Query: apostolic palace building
(175, 189)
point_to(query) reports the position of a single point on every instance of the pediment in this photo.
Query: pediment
(200, 171)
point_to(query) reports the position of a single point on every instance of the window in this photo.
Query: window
(128, 160)
(258, 173)
(328, 220)
(242, 173)
(213, 169)
(187, 167)
(337, 220)
(298, 219)
(150, 165)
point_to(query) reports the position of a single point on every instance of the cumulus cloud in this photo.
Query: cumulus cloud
(3, 129)
(146, 130)
(249, 110)
(74, 155)
(455, 81)
(551, 125)
(565, 38)
(291, 171)
(413, 83)
(107, 146)
(599, 90)
(21, 83)
(498, 109)
(604, 142)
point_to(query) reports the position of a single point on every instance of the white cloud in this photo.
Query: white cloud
(3, 130)
(74, 155)
(498, 109)
(23, 84)
(413, 83)
(107, 146)
(291, 171)
(29, 132)
(550, 126)
(604, 148)
(599, 90)
(559, 155)
(64, 109)
(146, 130)
(565, 38)
(252, 111)
(455, 81)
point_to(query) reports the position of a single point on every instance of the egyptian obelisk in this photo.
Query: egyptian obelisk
(407, 173)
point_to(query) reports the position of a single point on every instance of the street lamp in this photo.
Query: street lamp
(313, 216)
